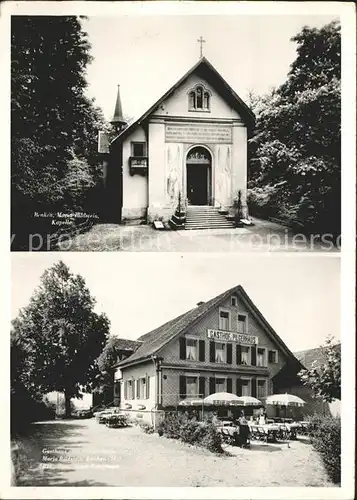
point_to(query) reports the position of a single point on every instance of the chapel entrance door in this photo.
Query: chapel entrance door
(198, 178)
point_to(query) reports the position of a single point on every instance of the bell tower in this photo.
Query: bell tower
(118, 122)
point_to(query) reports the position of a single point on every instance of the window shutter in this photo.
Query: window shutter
(229, 385)
(138, 389)
(212, 385)
(147, 387)
(182, 387)
(212, 351)
(125, 389)
(229, 354)
(253, 389)
(182, 348)
(239, 355)
(254, 355)
(201, 350)
(201, 386)
(239, 387)
(133, 386)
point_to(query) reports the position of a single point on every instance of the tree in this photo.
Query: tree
(296, 144)
(324, 378)
(61, 335)
(52, 119)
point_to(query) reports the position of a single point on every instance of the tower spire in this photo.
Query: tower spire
(118, 120)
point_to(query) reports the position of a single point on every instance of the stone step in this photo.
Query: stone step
(206, 217)
(189, 228)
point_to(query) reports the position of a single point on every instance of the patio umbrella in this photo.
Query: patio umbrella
(249, 401)
(284, 400)
(222, 398)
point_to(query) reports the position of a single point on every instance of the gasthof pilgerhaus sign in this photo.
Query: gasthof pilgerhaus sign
(241, 338)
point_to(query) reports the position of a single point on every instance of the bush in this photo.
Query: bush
(179, 426)
(262, 201)
(325, 434)
(147, 428)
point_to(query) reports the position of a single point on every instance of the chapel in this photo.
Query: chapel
(188, 148)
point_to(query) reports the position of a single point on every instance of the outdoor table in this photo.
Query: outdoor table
(292, 428)
(116, 420)
(225, 423)
(271, 430)
(233, 431)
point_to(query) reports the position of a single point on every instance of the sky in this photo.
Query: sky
(298, 294)
(147, 54)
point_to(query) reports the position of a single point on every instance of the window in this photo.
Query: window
(261, 361)
(224, 319)
(245, 387)
(234, 301)
(261, 388)
(220, 385)
(245, 355)
(191, 387)
(138, 149)
(199, 99)
(273, 356)
(242, 323)
(220, 352)
(191, 349)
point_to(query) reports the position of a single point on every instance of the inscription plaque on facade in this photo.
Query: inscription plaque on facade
(241, 338)
(206, 132)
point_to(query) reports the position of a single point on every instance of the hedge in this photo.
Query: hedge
(325, 434)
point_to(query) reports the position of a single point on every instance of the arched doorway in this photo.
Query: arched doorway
(199, 176)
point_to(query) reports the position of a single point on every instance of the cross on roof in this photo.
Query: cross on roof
(201, 41)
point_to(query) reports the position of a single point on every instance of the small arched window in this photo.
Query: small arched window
(206, 100)
(199, 99)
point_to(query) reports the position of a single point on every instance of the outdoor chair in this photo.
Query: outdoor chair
(263, 435)
(284, 432)
(255, 434)
(227, 437)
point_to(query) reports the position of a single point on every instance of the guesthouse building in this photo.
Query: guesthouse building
(222, 345)
(190, 145)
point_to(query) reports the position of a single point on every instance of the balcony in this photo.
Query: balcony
(138, 165)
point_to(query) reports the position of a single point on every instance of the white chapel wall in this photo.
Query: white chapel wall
(135, 187)
(177, 103)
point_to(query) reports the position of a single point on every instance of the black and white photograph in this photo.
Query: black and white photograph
(179, 188)
(222, 383)
(176, 133)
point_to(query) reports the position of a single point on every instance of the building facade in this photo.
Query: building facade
(191, 144)
(223, 345)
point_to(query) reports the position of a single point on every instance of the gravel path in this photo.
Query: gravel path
(263, 236)
(85, 453)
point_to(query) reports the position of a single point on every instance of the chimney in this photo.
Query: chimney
(199, 303)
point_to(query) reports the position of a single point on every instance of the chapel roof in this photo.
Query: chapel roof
(156, 339)
(205, 69)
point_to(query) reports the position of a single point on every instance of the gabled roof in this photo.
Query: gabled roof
(155, 340)
(205, 69)
(126, 344)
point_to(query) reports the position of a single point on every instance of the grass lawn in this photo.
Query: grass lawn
(85, 453)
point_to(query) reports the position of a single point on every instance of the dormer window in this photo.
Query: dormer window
(199, 99)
